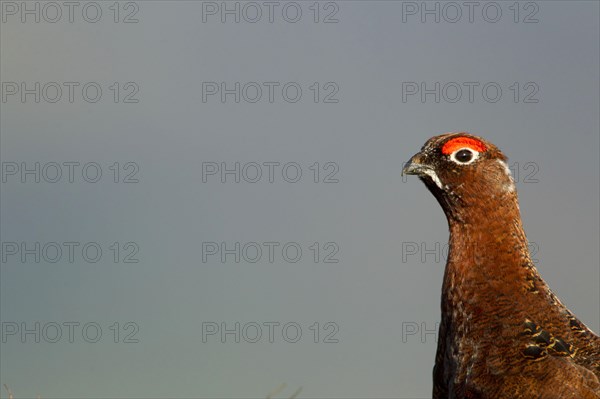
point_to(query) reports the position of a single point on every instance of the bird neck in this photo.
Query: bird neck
(488, 254)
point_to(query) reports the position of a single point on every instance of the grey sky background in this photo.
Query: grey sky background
(372, 218)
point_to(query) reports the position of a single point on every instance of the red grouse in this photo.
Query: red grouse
(503, 333)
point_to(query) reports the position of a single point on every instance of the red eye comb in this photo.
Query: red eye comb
(460, 142)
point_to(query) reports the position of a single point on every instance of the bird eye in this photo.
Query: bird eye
(464, 156)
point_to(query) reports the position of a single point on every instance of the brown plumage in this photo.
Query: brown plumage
(503, 333)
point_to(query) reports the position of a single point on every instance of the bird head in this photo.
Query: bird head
(463, 171)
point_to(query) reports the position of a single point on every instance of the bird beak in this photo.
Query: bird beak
(415, 167)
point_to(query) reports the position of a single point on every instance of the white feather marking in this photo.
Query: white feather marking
(509, 187)
(431, 173)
